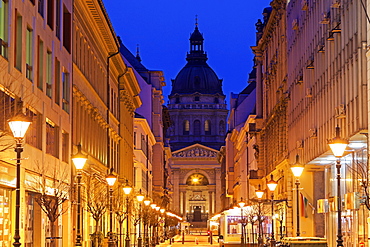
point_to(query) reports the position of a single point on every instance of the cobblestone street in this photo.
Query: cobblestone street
(191, 240)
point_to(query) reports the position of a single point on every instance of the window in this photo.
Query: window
(196, 98)
(144, 146)
(41, 7)
(207, 127)
(29, 53)
(18, 42)
(217, 100)
(177, 100)
(4, 28)
(57, 82)
(186, 127)
(66, 91)
(197, 127)
(50, 14)
(40, 64)
(48, 73)
(65, 146)
(7, 109)
(51, 138)
(57, 19)
(67, 29)
(34, 132)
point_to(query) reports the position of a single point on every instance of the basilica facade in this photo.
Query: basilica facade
(198, 113)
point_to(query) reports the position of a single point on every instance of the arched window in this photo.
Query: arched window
(197, 179)
(196, 127)
(186, 127)
(207, 127)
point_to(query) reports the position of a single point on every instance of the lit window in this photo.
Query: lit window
(207, 127)
(18, 42)
(40, 64)
(186, 127)
(4, 28)
(51, 138)
(29, 53)
(57, 82)
(66, 91)
(48, 73)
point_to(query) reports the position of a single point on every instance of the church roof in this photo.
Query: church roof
(196, 75)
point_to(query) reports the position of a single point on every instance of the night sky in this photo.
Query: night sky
(162, 30)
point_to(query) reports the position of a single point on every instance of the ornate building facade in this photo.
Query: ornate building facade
(198, 114)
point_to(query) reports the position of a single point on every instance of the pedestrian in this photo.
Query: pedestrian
(196, 241)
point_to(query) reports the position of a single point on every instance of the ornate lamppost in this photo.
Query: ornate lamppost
(272, 184)
(297, 169)
(140, 197)
(127, 190)
(153, 206)
(147, 202)
(338, 146)
(19, 125)
(111, 180)
(241, 205)
(79, 160)
(259, 194)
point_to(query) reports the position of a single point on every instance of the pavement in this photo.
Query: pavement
(190, 240)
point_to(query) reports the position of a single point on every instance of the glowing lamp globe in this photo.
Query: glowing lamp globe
(259, 192)
(297, 168)
(19, 125)
(140, 197)
(147, 202)
(79, 159)
(111, 179)
(338, 145)
(272, 184)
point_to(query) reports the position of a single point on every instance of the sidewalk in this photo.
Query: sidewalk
(190, 240)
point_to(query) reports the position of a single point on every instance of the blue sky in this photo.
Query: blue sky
(162, 29)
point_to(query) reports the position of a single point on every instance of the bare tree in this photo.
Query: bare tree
(360, 171)
(96, 203)
(52, 192)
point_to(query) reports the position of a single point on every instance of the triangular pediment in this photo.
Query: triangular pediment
(195, 151)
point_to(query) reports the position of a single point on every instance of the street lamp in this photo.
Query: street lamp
(79, 160)
(18, 125)
(337, 146)
(111, 180)
(127, 190)
(272, 184)
(297, 169)
(241, 205)
(140, 197)
(147, 202)
(259, 194)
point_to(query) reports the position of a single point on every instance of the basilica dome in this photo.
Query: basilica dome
(196, 76)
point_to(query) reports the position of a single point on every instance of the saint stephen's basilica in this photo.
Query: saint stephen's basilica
(198, 113)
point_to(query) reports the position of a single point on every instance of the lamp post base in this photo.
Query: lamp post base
(139, 242)
(127, 242)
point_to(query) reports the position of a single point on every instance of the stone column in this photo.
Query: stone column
(213, 202)
(182, 203)
(210, 202)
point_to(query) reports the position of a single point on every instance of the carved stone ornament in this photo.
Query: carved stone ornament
(195, 153)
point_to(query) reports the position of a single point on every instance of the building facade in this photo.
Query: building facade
(36, 79)
(198, 115)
